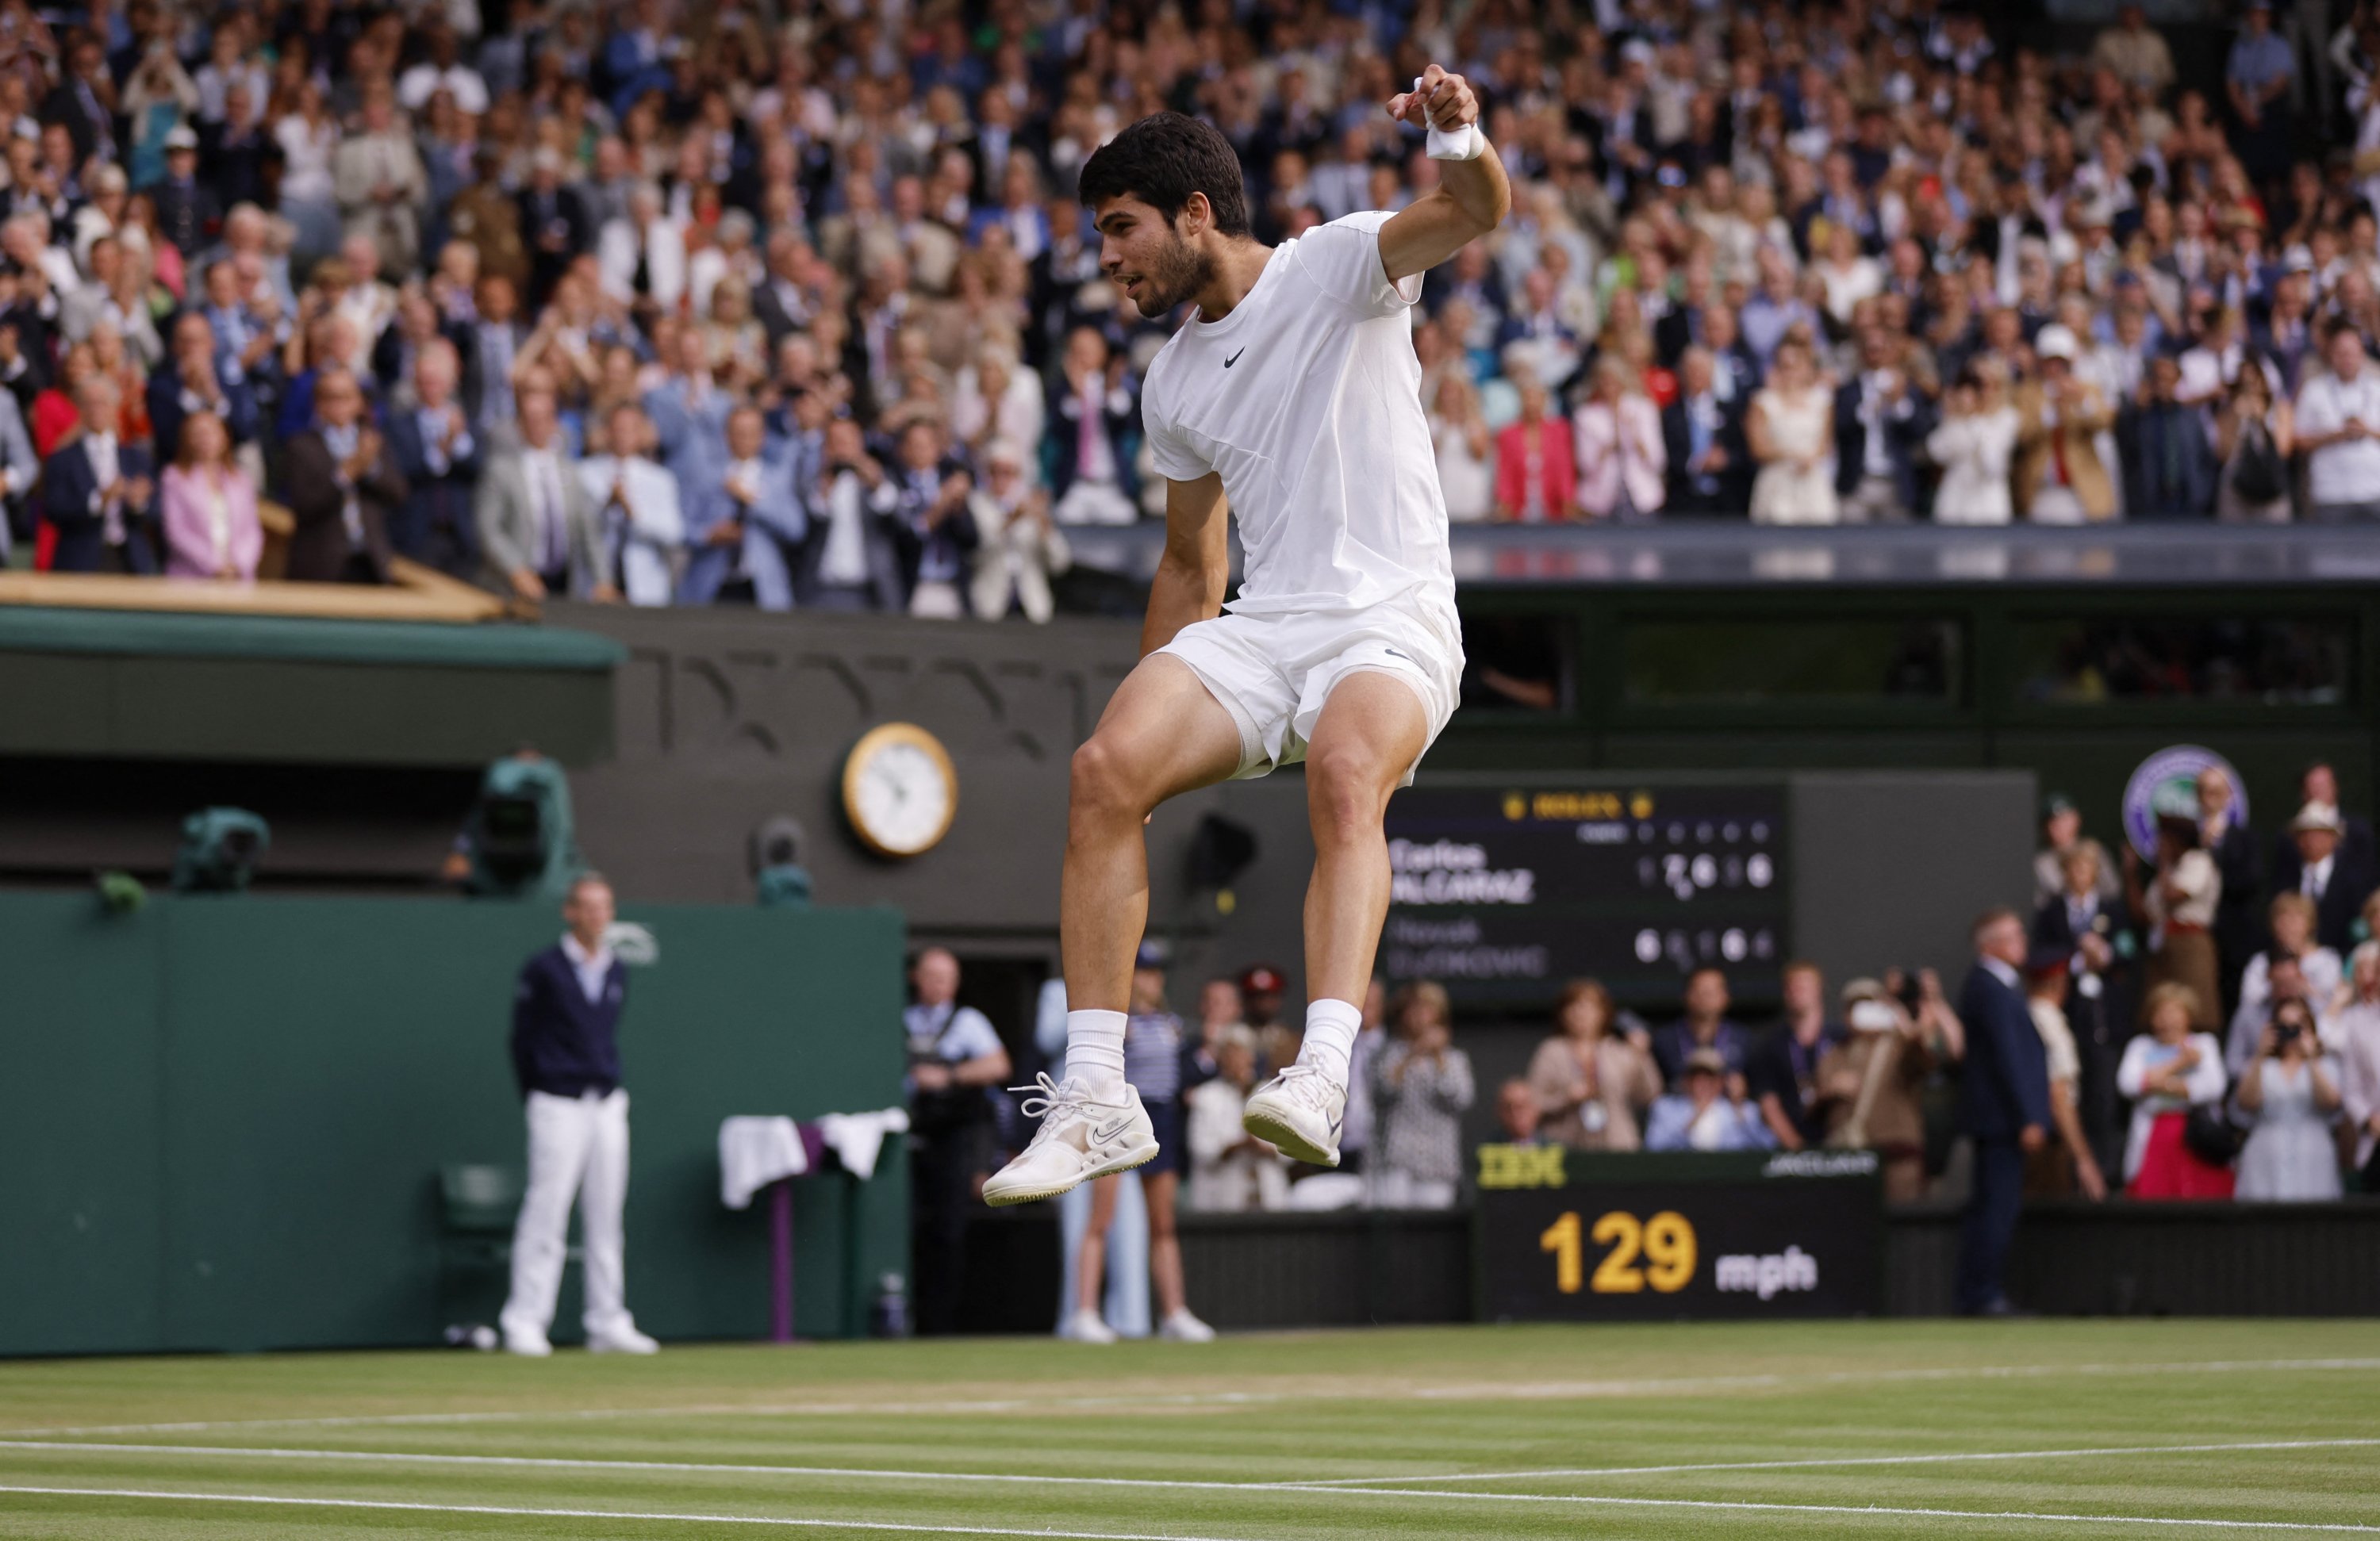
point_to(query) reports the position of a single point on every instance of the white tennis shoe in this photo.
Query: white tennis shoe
(1082, 1136)
(1299, 1111)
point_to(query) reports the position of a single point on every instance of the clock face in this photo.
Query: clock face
(900, 791)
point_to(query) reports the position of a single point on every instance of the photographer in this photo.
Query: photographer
(2292, 1092)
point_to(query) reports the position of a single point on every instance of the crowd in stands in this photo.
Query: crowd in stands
(628, 299)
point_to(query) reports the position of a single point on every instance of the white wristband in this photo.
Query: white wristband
(1465, 143)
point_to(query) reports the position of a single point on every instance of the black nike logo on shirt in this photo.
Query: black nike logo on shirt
(1234, 358)
(1393, 653)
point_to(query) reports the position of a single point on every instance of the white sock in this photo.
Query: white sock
(1094, 1050)
(1330, 1028)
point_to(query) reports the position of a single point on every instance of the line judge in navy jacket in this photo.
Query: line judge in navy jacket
(2004, 1105)
(566, 1050)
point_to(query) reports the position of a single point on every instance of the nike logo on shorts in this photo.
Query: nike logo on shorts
(1235, 358)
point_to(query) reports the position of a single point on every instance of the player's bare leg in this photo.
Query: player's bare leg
(1162, 734)
(1372, 728)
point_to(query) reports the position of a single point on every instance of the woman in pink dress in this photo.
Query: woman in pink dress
(210, 508)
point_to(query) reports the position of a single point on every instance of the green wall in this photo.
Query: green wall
(222, 1118)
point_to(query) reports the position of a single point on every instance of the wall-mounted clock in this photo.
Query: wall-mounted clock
(900, 790)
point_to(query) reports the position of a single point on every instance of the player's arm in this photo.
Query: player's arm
(1197, 561)
(1472, 197)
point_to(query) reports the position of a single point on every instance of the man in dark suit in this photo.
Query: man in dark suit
(553, 225)
(2003, 1107)
(342, 485)
(188, 211)
(99, 493)
(194, 380)
(440, 459)
(2168, 465)
(1880, 421)
(2319, 863)
(84, 100)
(566, 1057)
(2356, 848)
(2092, 936)
(779, 302)
(1709, 464)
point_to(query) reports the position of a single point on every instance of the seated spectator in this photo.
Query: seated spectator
(1704, 449)
(209, 506)
(1421, 1087)
(2338, 432)
(2058, 478)
(2358, 1030)
(2294, 968)
(343, 488)
(930, 492)
(636, 498)
(1091, 416)
(1871, 1084)
(440, 459)
(1229, 1169)
(1022, 549)
(1516, 1114)
(1973, 444)
(853, 560)
(2167, 1071)
(1620, 460)
(2067, 1166)
(539, 526)
(1781, 1073)
(1704, 1025)
(747, 523)
(97, 491)
(2289, 1093)
(1704, 1115)
(1536, 475)
(1592, 1082)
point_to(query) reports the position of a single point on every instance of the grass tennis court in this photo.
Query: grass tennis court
(1934, 1430)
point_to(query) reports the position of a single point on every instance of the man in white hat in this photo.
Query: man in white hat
(187, 213)
(2059, 478)
(2326, 872)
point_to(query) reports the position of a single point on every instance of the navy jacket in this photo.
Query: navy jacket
(2006, 1081)
(67, 483)
(564, 1044)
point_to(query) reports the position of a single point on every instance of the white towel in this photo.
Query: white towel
(755, 1152)
(856, 1138)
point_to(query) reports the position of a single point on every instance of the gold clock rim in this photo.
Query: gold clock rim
(875, 739)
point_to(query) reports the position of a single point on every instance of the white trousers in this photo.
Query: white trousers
(578, 1148)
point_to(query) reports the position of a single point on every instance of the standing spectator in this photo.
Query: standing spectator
(2136, 52)
(493, 341)
(2062, 832)
(636, 500)
(1880, 422)
(1093, 414)
(539, 524)
(2178, 900)
(2338, 432)
(195, 379)
(1705, 1025)
(2169, 468)
(1466, 451)
(2232, 845)
(955, 1058)
(1022, 549)
(1536, 475)
(566, 1057)
(853, 560)
(2003, 1107)
(381, 186)
(1517, 1118)
(1620, 455)
(1973, 443)
(1708, 461)
(1709, 1113)
(2359, 1038)
(1421, 1085)
(1782, 1071)
(2058, 478)
(2254, 435)
(2091, 930)
(1231, 1170)
(343, 487)
(1591, 1081)
(930, 492)
(2259, 78)
(2294, 966)
(2320, 784)
(1361, 1117)
(306, 134)
(440, 459)
(209, 506)
(1790, 427)
(188, 211)
(1155, 1048)
(2167, 1071)
(2291, 1093)
(2070, 1166)
(2321, 865)
(97, 491)
(1872, 1082)
(746, 521)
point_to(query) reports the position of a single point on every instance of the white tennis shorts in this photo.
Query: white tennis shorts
(1272, 672)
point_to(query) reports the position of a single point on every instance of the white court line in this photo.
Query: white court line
(1738, 1505)
(1794, 1464)
(1488, 1392)
(1371, 1487)
(511, 1510)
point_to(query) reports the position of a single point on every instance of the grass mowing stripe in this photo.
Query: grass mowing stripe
(1794, 1464)
(1354, 1389)
(1366, 1487)
(1755, 1506)
(523, 1510)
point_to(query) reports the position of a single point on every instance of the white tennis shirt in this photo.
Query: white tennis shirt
(1307, 398)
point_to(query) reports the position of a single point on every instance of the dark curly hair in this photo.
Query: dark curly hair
(1163, 160)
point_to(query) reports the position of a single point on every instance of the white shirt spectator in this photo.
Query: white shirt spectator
(2349, 471)
(1220, 1177)
(424, 80)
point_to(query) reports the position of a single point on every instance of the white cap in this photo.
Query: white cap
(2054, 342)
